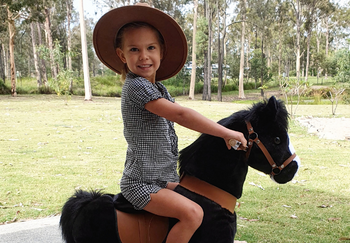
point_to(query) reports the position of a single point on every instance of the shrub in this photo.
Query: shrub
(230, 87)
(346, 97)
(4, 89)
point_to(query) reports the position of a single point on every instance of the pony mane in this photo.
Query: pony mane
(272, 111)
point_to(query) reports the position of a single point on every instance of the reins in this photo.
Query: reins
(253, 137)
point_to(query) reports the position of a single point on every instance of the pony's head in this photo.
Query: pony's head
(209, 159)
(269, 141)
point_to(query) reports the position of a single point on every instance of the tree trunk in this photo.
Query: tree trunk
(268, 56)
(262, 66)
(247, 56)
(205, 57)
(219, 55)
(69, 41)
(256, 47)
(4, 51)
(241, 63)
(210, 34)
(50, 42)
(327, 47)
(2, 61)
(206, 76)
(36, 63)
(87, 84)
(194, 47)
(12, 32)
(318, 51)
(309, 35)
(307, 55)
(297, 64)
(42, 63)
(223, 56)
(279, 54)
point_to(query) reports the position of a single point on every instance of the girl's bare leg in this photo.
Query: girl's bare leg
(168, 203)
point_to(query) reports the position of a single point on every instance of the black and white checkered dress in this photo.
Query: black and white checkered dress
(151, 157)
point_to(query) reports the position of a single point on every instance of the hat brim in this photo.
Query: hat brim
(109, 24)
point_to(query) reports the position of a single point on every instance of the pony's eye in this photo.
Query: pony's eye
(277, 140)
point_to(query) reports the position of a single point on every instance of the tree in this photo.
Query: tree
(241, 65)
(87, 85)
(12, 31)
(209, 14)
(35, 54)
(2, 64)
(42, 63)
(194, 45)
(259, 65)
(342, 58)
(69, 42)
(264, 13)
(297, 7)
(219, 52)
(18, 10)
(281, 28)
(314, 9)
(47, 25)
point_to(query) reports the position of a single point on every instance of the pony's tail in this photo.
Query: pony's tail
(71, 210)
(89, 217)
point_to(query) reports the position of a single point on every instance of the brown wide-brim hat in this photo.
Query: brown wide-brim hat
(106, 29)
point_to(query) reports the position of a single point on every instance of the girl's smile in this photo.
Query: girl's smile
(142, 52)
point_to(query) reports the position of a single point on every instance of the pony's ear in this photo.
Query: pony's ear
(272, 105)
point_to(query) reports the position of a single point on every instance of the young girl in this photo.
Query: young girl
(149, 112)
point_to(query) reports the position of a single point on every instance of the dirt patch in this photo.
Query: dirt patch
(327, 128)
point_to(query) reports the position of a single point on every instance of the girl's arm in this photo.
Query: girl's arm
(193, 120)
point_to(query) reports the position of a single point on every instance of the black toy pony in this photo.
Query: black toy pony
(211, 175)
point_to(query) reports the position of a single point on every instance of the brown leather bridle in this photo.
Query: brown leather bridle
(254, 138)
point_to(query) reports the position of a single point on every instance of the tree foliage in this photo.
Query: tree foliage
(269, 42)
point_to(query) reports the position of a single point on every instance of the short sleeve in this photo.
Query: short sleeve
(140, 91)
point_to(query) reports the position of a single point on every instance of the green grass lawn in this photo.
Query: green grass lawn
(50, 146)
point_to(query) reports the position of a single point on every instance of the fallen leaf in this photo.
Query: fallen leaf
(249, 220)
(344, 238)
(253, 184)
(334, 219)
(38, 209)
(325, 206)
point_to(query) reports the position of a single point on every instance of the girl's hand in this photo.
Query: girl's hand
(237, 141)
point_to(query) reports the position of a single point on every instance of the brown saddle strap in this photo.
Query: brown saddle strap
(221, 197)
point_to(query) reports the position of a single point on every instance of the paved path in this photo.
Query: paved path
(32, 231)
(36, 231)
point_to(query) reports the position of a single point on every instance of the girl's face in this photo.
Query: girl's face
(141, 51)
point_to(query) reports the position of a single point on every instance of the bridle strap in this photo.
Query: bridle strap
(254, 138)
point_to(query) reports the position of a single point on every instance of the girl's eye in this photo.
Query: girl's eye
(151, 47)
(133, 49)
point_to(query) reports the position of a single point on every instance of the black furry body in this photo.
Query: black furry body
(219, 224)
(84, 216)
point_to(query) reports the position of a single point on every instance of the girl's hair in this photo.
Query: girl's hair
(135, 25)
